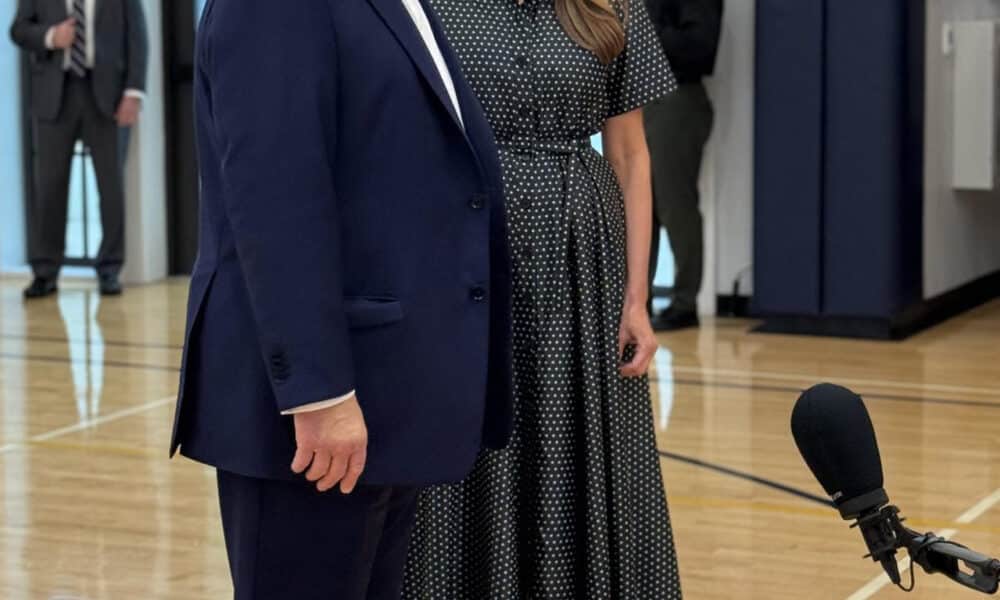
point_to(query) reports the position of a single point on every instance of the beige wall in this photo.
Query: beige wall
(961, 229)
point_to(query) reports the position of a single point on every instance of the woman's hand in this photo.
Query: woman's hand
(625, 149)
(636, 331)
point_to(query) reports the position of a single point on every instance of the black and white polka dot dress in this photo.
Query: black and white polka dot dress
(574, 508)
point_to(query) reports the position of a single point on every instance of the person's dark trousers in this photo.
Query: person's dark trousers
(286, 540)
(79, 119)
(677, 129)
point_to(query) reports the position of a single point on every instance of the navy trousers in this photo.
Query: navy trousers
(286, 541)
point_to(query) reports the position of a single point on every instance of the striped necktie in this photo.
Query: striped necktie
(78, 52)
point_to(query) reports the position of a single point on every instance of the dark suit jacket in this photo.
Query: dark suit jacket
(353, 236)
(121, 53)
(689, 31)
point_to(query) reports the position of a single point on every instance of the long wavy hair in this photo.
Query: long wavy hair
(595, 25)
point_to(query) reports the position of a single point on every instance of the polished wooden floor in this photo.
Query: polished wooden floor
(90, 508)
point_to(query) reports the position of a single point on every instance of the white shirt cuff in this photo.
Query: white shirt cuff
(324, 404)
(137, 94)
(49, 38)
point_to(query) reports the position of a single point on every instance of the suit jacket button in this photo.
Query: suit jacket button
(478, 201)
(478, 294)
(279, 367)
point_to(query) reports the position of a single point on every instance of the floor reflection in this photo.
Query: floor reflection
(96, 511)
(663, 382)
(85, 342)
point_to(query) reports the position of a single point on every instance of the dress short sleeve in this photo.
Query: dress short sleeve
(641, 72)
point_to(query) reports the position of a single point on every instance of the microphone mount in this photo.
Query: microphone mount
(885, 533)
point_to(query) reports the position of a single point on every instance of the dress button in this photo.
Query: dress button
(478, 201)
(526, 112)
(521, 61)
(478, 294)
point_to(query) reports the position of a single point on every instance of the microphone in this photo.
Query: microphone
(834, 434)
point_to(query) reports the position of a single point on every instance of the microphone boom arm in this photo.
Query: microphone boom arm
(938, 555)
(934, 554)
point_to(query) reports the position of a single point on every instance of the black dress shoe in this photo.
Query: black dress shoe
(40, 288)
(673, 320)
(109, 285)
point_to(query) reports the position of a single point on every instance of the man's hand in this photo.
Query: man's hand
(63, 34)
(127, 114)
(333, 445)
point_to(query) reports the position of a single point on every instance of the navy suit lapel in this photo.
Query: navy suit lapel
(398, 20)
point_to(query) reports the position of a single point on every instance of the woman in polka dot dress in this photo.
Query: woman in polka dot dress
(574, 508)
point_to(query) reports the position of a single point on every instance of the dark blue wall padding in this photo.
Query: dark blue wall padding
(868, 203)
(839, 158)
(788, 157)
(863, 159)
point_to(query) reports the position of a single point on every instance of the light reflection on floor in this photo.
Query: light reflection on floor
(663, 381)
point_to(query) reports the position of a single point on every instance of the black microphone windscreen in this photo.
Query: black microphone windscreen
(835, 436)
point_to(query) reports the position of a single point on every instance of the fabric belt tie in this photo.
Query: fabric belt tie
(578, 164)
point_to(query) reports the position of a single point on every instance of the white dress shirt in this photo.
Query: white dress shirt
(419, 17)
(90, 8)
(424, 28)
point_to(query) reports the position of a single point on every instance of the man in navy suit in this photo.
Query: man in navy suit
(348, 320)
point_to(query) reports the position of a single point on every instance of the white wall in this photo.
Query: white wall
(961, 229)
(145, 176)
(727, 176)
(11, 168)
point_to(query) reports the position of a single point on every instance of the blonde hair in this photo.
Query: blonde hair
(594, 25)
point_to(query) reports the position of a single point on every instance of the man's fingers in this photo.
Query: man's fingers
(354, 470)
(64, 33)
(320, 465)
(123, 116)
(303, 456)
(131, 117)
(338, 466)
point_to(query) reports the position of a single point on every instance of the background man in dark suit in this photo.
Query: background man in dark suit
(88, 77)
(677, 129)
(349, 314)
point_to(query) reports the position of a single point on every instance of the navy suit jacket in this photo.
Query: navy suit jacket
(353, 236)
